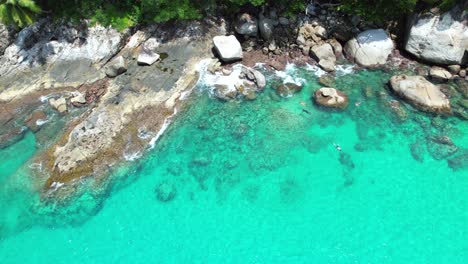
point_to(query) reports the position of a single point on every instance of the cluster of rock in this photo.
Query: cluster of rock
(240, 82)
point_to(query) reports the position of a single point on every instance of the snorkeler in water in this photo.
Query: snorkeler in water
(338, 147)
(305, 111)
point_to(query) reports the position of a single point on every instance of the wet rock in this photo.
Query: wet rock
(460, 161)
(421, 93)
(439, 39)
(116, 67)
(228, 48)
(331, 97)
(288, 89)
(255, 76)
(166, 192)
(225, 92)
(370, 48)
(439, 74)
(327, 65)
(440, 147)
(246, 25)
(33, 122)
(59, 104)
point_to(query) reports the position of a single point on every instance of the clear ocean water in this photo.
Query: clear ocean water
(259, 182)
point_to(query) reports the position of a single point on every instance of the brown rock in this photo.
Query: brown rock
(31, 121)
(331, 97)
(288, 89)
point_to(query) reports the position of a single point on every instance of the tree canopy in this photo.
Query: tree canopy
(125, 13)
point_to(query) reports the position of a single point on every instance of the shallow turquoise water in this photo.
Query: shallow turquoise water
(260, 182)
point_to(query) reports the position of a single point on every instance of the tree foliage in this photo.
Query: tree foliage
(125, 13)
(18, 12)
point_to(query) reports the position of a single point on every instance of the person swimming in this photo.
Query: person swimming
(305, 111)
(338, 147)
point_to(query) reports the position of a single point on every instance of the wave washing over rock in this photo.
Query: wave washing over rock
(284, 145)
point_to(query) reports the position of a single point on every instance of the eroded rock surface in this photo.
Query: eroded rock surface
(331, 97)
(370, 48)
(421, 93)
(441, 39)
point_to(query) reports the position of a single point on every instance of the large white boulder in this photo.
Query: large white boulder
(439, 39)
(421, 93)
(370, 48)
(228, 48)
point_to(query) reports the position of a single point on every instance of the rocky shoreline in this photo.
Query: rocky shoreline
(112, 92)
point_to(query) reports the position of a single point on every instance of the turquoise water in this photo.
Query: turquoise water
(260, 182)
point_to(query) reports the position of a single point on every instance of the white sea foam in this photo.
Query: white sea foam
(36, 166)
(342, 70)
(57, 185)
(41, 122)
(289, 75)
(161, 131)
(316, 70)
(132, 156)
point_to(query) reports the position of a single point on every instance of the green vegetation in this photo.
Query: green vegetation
(18, 12)
(126, 13)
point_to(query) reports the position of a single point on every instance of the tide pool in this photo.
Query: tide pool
(261, 182)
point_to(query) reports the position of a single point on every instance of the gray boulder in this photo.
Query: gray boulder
(420, 93)
(370, 48)
(116, 67)
(265, 26)
(441, 39)
(228, 48)
(247, 25)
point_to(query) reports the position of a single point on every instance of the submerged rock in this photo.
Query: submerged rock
(166, 192)
(228, 48)
(370, 48)
(288, 89)
(417, 151)
(420, 93)
(331, 97)
(33, 122)
(460, 161)
(440, 147)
